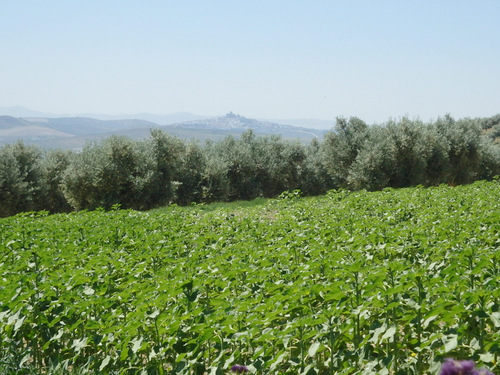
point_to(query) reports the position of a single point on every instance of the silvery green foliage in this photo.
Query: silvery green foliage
(374, 163)
(341, 148)
(489, 159)
(164, 169)
(399, 154)
(53, 165)
(411, 152)
(437, 161)
(215, 178)
(464, 141)
(251, 166)
(408, 152)
(189, 176)
(491, 124)
(114, 171)
(12, 185)
(19, 178)
(165, 166)
(314, 176)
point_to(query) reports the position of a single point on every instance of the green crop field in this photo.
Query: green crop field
(389, 282)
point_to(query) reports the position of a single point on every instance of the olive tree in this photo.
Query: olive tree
(52, 169)
(19, 179)
(114, 171)
(341, 148)
(164, 155)
(374, 164)
(463, 144)
(189, 175)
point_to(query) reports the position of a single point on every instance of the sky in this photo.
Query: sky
(272, 59)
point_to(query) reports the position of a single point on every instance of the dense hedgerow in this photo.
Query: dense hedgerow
(388, 282)
(164, 169)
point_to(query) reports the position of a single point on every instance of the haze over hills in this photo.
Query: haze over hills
(22, 112)
(233, 121)
(74, 132)
(83, 126)
(168, 119)
(18, 111)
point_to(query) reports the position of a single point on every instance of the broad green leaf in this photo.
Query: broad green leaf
(308, 370)
(495, 318)
(427, 321)
(136, 344)
(79, 344)
(278, 361)
(313, 349)
(19, 323)
(104, 362)
(487, 357)
(451, 342)
(377, 332)
(389, 334)
(124, 354)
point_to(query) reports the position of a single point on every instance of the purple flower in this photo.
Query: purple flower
(239, 369)
(467, 367)
(484, 372)
(453, 367)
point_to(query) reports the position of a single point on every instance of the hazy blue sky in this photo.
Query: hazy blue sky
(271, 59)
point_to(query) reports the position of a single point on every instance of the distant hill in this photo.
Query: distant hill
(89, 126)
(307, 123)
(74, 132)
(237, 123)
(169, 119)
(8, 122)
(66, 133)
(13, 129)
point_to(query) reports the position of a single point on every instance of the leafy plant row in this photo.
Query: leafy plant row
(390, 282)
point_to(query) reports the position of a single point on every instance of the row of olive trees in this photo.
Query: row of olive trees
(150, 173)
(31, 180)
(164, 169)
(409, 153)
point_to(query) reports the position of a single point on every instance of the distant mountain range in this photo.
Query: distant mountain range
(173, 118)
(73, 132)
(233, 122)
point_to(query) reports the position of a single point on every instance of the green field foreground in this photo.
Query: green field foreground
(388, 282)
